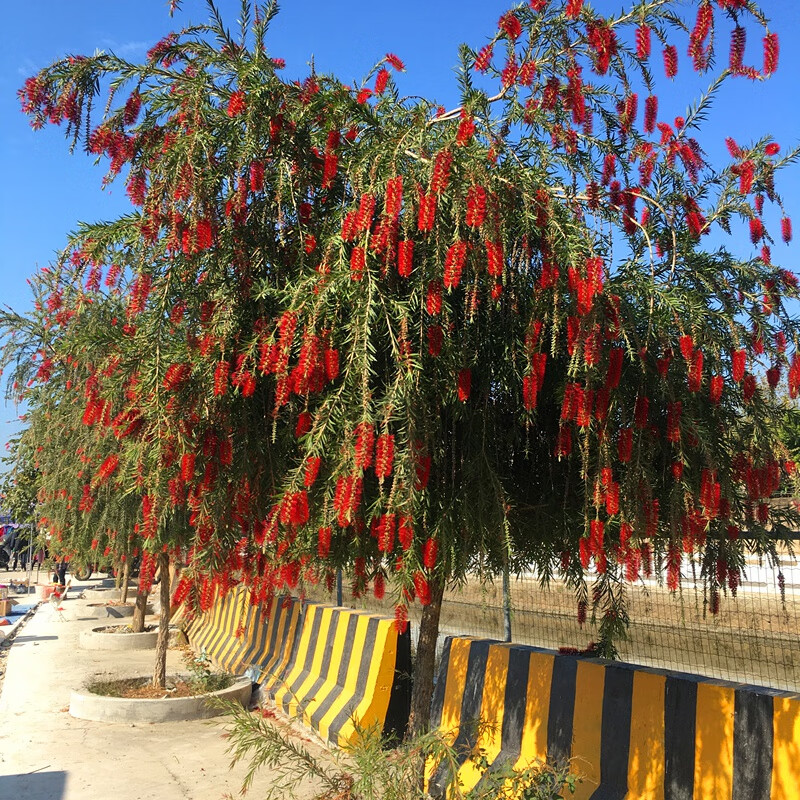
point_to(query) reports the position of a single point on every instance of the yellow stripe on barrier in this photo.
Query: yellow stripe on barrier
(785, 749)
(587, 722)
(713, 764)
(533, 746)
(282, 690)
(340, 635)
(277, 664)
(350, 682)
(646, 753)
(298, 698)
(490, 733)
(372, 707)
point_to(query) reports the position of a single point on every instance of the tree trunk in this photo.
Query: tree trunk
(137, 624)
(160, 670)
(425, 663)
(126, 574)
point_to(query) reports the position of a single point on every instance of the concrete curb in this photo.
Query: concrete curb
(9, 630)
(96, 639)
(85, 705)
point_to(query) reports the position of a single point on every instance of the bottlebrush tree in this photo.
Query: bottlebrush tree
(362, 331)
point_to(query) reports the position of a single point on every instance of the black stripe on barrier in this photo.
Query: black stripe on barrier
(255, 622)
(290, 607)
(615, 734)
(470, 712)
(561, 709)
(305, 667)
(680, 704)
(399, 708)
(366, 653)
(327, 656)
(283, 616)
(344, 665)
(437, 700)
(752, 745)
(515, 702)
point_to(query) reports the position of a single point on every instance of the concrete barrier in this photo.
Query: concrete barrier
(633, 733)
(336, 668)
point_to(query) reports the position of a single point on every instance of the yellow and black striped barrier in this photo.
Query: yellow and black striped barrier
(338, 669)
(633, 733)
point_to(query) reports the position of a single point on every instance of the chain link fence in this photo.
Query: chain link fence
(752, 639)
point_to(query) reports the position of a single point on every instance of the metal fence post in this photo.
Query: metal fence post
(339, 587)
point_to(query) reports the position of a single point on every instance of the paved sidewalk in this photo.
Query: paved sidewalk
(45, 754)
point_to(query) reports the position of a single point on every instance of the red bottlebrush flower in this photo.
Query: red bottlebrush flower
(423, 472)
(95, 544)
(615, 359)
(454, 264)
(773, 376)
(221, 377)
(312, 470)
(581, 612)
(650, 113)
(385, 533)
(476, 206)
(379, 586)
(748, 387)
(772, 149)
(401, 619)
(363, 96)
(422, 588)
(674, 412)
(612, 499)
(494, 256)
(643, 42)
(107, 469)
(609, 168)
(695, 376)
(641, 411)
(435, 339)
(358, 260)
(601, 403)
(715, 387)
(395, 62)
(257, 176)
(331, 363)
(625, 444)
(756, 230)
(464, 385)
(670, 61)
(187, 467)
(687, 347)
(786, 229)
(304, 420)
(677, 470)
(673, 566)
(175, 376)
(384, 455)
(465, 132)
(365, 440)
(381, 80)
(405, 257)
(430, 553)
(441, 171)
(484, 58)
(738, 40)
(427, 212)
(573, 9)
(771, 52)
(510, 25)
(738, 362)
(324, 542)
(433, 298)
(236, 104)
(405, 532)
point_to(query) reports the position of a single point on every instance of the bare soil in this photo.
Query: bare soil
(141, 688)
(124, 629)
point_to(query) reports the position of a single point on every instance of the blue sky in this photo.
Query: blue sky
(45, 191)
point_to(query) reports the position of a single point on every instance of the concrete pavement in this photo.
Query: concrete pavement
(45, 754)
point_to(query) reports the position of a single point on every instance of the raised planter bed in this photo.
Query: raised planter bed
(107, 593)
(87, 705)
(106, 638)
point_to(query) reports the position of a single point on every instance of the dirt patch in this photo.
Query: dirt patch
(124, 629)
(141, 688)
(116, 603)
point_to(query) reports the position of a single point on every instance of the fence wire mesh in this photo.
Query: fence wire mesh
(752, 639)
